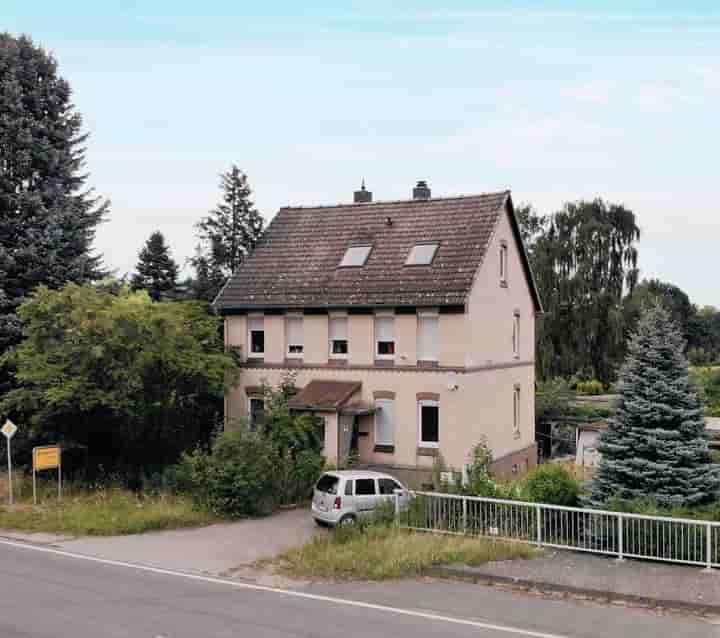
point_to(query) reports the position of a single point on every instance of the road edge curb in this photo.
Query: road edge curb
(479, 578)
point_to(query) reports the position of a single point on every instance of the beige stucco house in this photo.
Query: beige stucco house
(411, 325)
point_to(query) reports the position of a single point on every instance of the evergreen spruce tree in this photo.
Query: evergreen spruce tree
(234, 226)
(656, 445)
(208, 279)
(48, 215)
(156, 271)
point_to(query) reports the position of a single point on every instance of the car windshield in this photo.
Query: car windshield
(328, 484)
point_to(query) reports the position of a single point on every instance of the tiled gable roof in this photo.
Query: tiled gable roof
(296, 262)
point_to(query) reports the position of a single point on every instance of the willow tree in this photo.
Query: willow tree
(585, 262)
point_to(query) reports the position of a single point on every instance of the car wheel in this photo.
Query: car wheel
(347, 521)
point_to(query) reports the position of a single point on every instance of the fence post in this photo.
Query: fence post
(708, 546)
(397, 507)
(464, 515)
(620, 557)
(538, 509)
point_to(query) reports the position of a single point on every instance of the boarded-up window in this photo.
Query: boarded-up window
(428, 331)
(385, 422)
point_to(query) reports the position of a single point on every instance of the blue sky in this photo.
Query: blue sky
(554, 100)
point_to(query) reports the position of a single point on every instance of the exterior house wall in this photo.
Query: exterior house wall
(491, 307)
(405, 340)
(316, 339)
(361, 339)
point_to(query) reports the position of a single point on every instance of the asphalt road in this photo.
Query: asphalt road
(46, 594)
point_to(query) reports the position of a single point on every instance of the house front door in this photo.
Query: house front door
(345, 435)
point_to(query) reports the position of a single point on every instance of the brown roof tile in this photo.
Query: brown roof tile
(296, 262)
(324, 395)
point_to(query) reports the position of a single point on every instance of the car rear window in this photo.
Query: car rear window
(327, 484)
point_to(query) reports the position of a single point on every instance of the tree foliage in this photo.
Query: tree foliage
(156, 270)
(133, 381)
(585, 261)
(48, 216)
(228, 233)
(656, 445)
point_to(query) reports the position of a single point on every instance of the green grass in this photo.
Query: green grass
(99, 512)
(381, 552)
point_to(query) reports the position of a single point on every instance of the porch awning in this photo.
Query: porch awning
(324, 396)
(359, 408)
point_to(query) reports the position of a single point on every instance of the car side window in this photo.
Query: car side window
(349, 488)
(388, 486)
(364, 487)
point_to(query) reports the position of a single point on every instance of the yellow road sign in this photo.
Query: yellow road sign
(8, 429)
(46, 457)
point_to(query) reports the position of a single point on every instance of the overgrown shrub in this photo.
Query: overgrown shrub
(552, 484)
(592, 387)
(237, 478)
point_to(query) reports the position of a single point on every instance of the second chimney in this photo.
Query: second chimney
(421, 190)
(363, 196)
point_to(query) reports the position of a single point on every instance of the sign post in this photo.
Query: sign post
(47, 457)
(9, 430)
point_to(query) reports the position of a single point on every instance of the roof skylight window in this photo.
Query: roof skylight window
(421, 255)
(355, 256)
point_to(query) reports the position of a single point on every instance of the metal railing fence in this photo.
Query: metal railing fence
(676, 540)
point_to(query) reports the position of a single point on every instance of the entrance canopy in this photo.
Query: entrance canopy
(324, 396)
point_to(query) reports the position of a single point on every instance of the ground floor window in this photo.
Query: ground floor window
(429, 423)
(384, 422)
(256, 411)
(516, 410)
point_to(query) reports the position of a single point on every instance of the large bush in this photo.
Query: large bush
(237, 478)
(131, 381)
(551, 483)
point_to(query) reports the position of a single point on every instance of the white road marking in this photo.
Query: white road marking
(287, 592)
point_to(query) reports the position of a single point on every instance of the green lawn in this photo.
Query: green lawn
(380, 552)
(100, 512)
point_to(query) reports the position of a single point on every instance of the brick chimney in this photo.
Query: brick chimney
(421, 190)
(363, 196)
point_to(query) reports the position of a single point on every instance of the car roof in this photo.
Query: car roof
(355, 474)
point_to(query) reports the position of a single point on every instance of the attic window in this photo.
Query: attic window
(355, 256)
(421, 255)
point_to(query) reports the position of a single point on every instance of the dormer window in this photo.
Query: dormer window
(421, 254)
(355, 256)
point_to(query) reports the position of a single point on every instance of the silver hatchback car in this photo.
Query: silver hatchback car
(341, 497)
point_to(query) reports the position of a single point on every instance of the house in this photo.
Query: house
(410, 325)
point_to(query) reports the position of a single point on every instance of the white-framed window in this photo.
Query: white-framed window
(384, 422)
(516, 410)
(338, 333)
(384, 336)
(503, 263)
(428, 336)
(421, 254)
(428, 423)
(256, 335)
(256, 411)
(295, 335)
(516, 335)
(355, 256)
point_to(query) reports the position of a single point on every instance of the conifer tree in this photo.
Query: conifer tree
(156, 271)
(48, 215)
(656, 445)
(234, 226)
